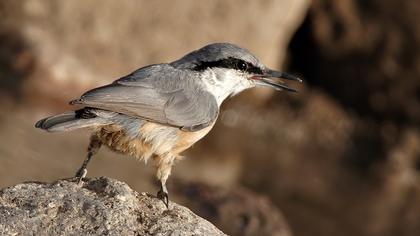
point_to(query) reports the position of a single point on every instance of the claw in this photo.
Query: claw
(81, 174)
(163, 195)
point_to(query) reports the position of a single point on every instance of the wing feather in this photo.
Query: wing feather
(149, 95)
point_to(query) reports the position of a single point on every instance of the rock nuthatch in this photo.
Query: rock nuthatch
(161, 110)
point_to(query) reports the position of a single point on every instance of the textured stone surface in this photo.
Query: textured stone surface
(99, 206)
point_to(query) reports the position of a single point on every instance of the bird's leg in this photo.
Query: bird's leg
(164, 166)
(93, 148)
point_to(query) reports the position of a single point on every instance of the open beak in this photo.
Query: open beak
(270, 78)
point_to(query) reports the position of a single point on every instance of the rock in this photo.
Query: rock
(99, 206)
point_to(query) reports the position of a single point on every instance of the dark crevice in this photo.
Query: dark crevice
(368, 65)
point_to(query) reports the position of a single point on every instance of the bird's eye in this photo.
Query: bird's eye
(241, 65)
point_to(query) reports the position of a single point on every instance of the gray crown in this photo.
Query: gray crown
(216, 52)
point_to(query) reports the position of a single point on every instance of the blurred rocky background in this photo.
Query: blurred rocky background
(341, 157)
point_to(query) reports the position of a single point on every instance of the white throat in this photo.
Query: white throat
(223, 83)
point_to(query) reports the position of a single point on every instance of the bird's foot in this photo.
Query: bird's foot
(81, 173)
(163, 195)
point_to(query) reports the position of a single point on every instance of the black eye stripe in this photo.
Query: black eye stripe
(229, 63)
(254, 70)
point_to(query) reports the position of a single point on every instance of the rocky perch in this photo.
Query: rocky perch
(98, 206)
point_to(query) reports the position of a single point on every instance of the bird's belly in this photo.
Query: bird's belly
(187, 139)
(116, 139)
(168, 139)
(152, 139)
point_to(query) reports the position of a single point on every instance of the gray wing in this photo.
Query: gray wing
(157, 93)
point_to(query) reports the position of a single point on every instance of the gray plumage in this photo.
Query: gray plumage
(215, 52)
(170, 94)
(159, 93)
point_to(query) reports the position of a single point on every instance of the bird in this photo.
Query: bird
(160, 110)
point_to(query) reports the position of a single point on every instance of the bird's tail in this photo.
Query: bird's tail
(70, 121)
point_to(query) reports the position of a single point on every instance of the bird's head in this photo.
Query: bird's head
(232, 68)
